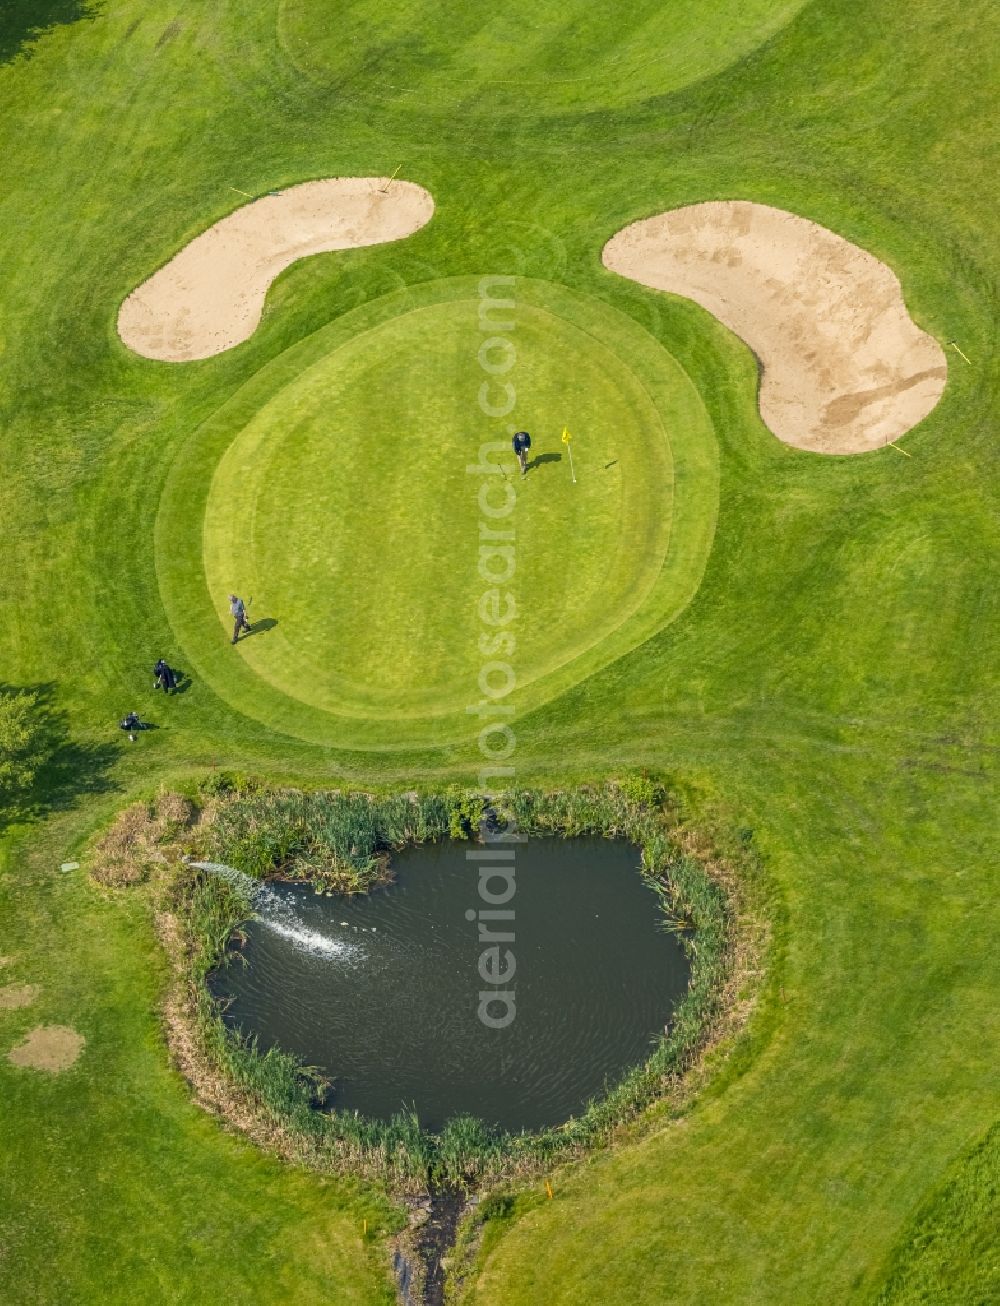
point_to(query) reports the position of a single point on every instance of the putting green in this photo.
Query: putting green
(338, 494)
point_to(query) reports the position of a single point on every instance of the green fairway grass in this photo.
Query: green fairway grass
(116, 1187)
(524, 56)
(951, 1253)
(804, 647)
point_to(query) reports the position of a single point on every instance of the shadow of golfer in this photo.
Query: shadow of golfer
(544, 458)
(259, 627)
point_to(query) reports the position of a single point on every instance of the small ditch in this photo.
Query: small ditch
(420, 1273)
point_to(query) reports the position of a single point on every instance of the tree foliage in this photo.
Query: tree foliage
(24, 742)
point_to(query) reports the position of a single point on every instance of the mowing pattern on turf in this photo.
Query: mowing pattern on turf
(344, 497)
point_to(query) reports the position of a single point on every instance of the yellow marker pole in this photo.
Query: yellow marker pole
(390, 181)
(548, 1189)
(365, 1230)
(566, 438)
(954, 345)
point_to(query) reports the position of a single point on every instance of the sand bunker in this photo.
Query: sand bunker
(48, 1047)
(845, 368)
(18, 995)
(210, 296)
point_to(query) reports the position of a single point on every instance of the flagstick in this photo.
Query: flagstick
(569, 450)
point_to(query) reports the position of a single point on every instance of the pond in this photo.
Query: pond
(414, 996)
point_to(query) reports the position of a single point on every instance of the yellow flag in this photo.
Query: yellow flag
(566, 437)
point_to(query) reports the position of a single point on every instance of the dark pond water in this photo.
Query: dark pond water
(383, 992)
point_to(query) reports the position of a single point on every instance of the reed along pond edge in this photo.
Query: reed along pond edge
(340, 842)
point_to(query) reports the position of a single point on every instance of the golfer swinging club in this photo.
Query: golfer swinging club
(238, 609)
(522, 443)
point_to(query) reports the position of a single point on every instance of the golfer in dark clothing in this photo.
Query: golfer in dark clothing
(164, 678)
(522, 443)
(237, 608)
(131, 723)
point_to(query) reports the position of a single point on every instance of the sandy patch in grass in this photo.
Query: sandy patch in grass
(5, 961)
(48, 1047)
(18, 995)
(845, 368)
(210, 296)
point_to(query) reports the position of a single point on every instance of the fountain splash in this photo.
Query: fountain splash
(278, 915)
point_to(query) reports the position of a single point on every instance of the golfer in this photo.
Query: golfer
(131, 723)
(237, 608)
(522, 443)
(164, 678)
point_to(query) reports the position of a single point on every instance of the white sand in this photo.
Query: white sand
(845, 368)
(210, 296)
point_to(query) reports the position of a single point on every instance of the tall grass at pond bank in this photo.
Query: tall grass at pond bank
(344, 839)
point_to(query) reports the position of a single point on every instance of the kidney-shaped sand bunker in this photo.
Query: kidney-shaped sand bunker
(845, 368)
(210, 296)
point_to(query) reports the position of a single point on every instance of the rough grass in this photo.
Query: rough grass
(832, 685)
(951, 1256)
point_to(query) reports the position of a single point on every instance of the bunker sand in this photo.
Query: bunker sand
(210, 296)
(48, 1047)
(845, 368)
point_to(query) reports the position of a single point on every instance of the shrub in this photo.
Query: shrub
(25, 743)
(466, 812)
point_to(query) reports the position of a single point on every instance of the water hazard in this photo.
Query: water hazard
(383, 992)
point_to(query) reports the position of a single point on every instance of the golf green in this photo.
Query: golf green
(348, 503)
(807, 663)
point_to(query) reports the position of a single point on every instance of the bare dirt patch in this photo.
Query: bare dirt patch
(18, 995)
(5, 961)
(210, 296)
(845, 368)
(48, 1047)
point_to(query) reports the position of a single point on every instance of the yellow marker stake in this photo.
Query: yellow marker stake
(548, 1189)
(954, 345)
(365, 1231)
(566, 437)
